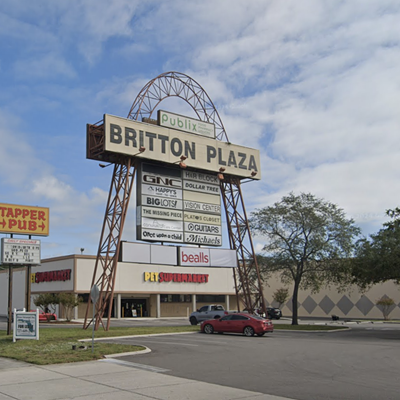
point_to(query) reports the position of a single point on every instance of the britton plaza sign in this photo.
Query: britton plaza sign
(126, 136)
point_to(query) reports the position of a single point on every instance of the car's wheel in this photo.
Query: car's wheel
(248, 331)
(278, 317)
(208, 328)
(261, 334)
(52, 318)
(193, 321)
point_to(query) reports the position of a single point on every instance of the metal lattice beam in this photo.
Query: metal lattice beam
(110, 240)
(247, 275)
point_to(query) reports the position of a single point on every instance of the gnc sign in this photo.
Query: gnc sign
(194, 256)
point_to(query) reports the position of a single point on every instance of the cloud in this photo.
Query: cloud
(69, 207)
(43, 67)
(17, 159)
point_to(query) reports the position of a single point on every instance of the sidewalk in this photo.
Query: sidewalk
(107, 379)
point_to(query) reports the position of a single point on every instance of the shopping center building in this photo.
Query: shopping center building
(183, 279)
(161, 290)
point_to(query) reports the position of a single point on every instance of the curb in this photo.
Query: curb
(132, 336)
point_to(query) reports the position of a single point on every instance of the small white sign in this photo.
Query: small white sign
(135, 252)
(26, 325)
(200, 177)
(201, 187)
(203, 228)
(160, 179)
(189, 216)
(202, 207)
(162, 224)
(223, 258)
(161, 191)
(161, 202)
(162, 213)
(208, 240)
(20, 251)
(161, 236)
(164, 255)
(186, 124)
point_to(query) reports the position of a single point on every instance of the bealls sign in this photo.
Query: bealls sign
(197, 257)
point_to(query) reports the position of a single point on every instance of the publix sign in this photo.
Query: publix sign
(186, 124)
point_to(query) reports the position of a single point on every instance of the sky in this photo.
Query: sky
(314, 85)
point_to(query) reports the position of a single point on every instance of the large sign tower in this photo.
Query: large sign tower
(184, 166)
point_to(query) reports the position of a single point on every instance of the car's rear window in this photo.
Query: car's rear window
(239, 317)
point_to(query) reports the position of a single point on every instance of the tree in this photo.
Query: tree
(308, 241)
(386, 304)
(47, 302)
(377, 259)
(69, 301)
(280, 296)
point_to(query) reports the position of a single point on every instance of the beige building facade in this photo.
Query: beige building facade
(348, 304)
(141, 290)
(157, 290)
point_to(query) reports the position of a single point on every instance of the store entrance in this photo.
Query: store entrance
(133, 308)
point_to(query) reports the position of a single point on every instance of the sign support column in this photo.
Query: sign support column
(10, 285)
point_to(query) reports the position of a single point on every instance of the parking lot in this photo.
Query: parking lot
(361, 363)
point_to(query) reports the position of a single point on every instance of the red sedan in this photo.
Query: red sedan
(45, 317)
(238, 323)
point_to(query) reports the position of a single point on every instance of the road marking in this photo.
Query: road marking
(180, 343)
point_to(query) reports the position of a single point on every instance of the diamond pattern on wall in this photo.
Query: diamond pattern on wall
(345, 305)
(309, 304)
(365, 305)
(326, 304)
(390, 309)
(289, 304)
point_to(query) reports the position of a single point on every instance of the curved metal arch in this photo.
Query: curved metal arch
(176, 84)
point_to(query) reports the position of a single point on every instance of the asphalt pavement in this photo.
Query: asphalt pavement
(113, 378)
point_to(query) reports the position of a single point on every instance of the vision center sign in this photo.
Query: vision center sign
(126, 136)
(167, 211)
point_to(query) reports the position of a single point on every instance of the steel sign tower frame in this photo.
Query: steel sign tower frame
(167, 85)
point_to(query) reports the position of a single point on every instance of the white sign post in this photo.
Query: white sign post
(94, 294)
